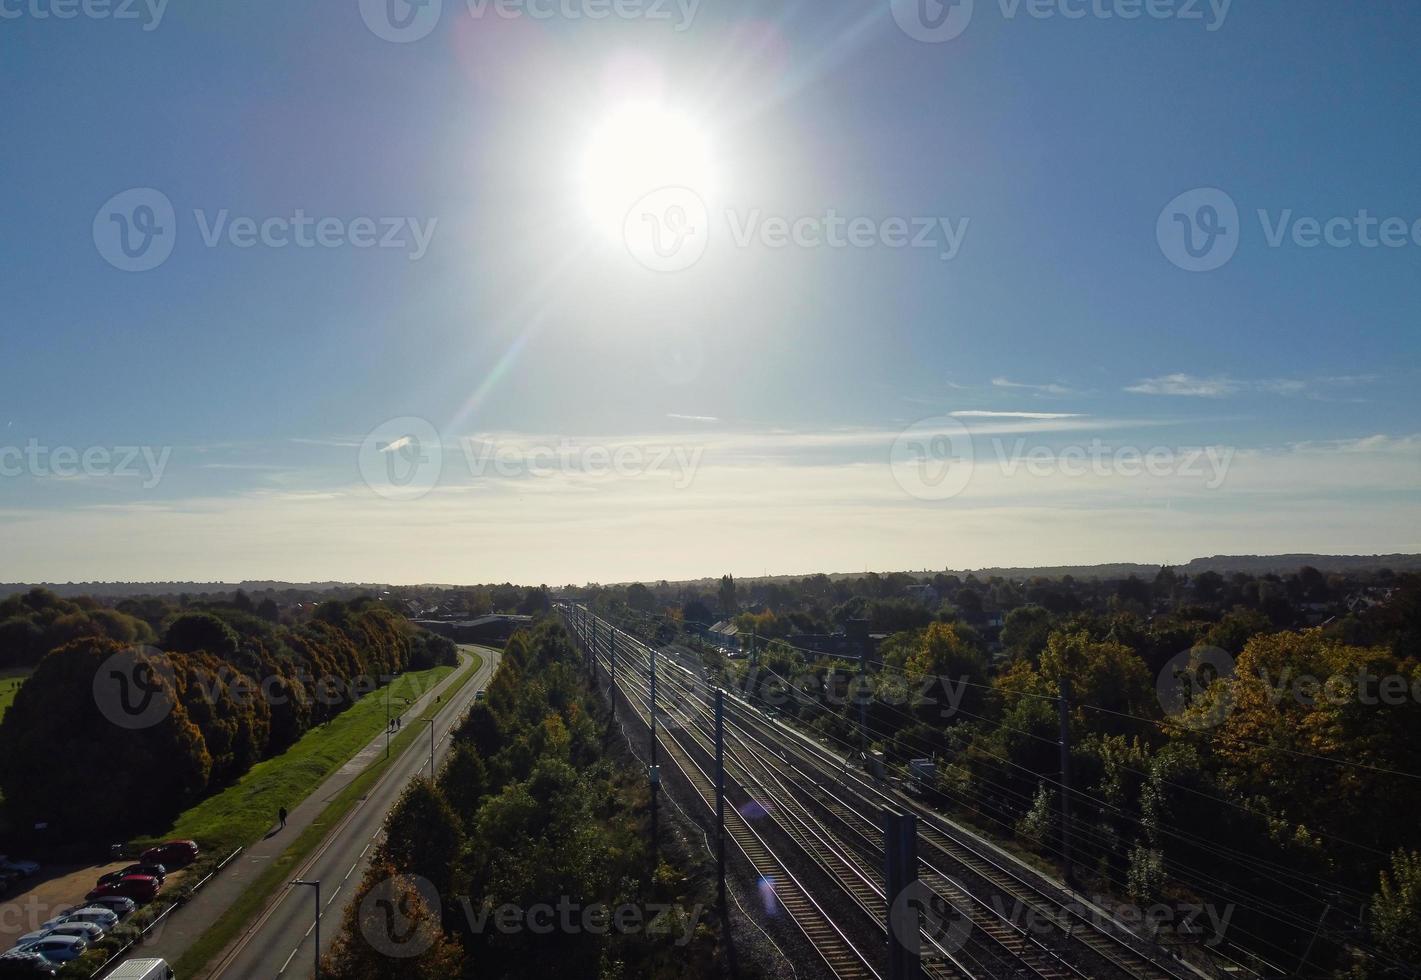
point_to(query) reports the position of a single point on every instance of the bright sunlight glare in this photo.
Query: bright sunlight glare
(639, 148)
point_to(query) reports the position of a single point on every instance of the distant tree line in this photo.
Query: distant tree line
(37, 621)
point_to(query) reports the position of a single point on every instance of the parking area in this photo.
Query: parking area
(32, 901)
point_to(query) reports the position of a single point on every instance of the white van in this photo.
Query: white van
(141, 970)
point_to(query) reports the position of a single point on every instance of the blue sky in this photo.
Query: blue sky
(788, 372)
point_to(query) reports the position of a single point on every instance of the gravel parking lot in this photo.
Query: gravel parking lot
(33, 901)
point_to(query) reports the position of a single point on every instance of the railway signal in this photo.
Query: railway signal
(1063, 712)
(655, 770)
(720, 800)
(900, 846)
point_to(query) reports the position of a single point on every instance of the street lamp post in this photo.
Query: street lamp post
(317, 886)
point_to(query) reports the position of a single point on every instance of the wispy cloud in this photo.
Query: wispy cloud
(1040, 416)
(1186, 385)
(691, 418)
(1046, 389)
(1193, 386)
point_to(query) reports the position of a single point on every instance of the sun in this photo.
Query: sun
(637, 148)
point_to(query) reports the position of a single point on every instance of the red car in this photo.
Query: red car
(173, 854)
(140, 888)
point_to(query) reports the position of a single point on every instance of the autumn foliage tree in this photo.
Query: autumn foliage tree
(239, 689)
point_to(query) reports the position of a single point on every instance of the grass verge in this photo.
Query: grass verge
(10, 681)
(250, 903)
(246, 810)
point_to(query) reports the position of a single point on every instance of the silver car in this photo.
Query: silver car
(57, 949)
(85, 930)
(98, 915)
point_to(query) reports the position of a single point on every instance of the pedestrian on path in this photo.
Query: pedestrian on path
(281, 815)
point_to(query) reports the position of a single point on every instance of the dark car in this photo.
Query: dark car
(140, 888)
(172, 854)
(152, 870)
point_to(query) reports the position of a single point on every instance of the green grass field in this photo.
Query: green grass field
(246, 810)
(246, 908)
(10, 681)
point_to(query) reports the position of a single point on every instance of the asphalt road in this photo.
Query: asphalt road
(282, 944)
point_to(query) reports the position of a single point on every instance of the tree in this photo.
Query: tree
(639, 597)
(35, 622)
(1396, 908)
(388, 918)
(1207, 585)
(423, 835)
(943, 653)
(727, 596)
(1300, 696)
(144, 775)
(268, 610)
(195, 631)
(1026, 630)
(969, 601)
(1105, 673)
(1166, 583)
(697, 612)
(465, 781)
(1135, 590)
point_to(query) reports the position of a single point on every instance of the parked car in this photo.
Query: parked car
(57, 949)
(140, 888)
(101, 917)
(173, 854)
(142, 970)
(24, 868)
(38, 965)
(85, 930)
(117, 904)
(153, 870)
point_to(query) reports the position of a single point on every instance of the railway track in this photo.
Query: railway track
(1070, 925)
(843, 959)
(989, 949)
(993, 946)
